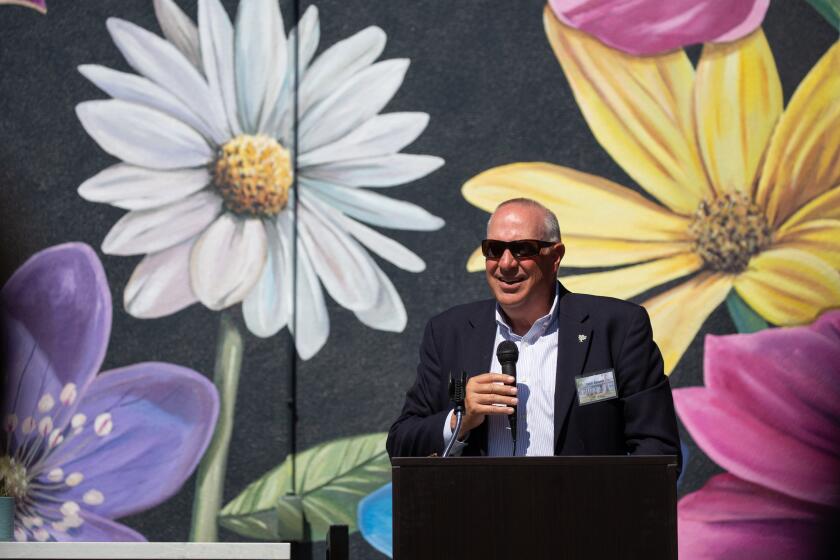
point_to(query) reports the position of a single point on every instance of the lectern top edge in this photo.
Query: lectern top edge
(581, 460)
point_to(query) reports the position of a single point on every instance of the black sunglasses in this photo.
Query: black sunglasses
(520, 248)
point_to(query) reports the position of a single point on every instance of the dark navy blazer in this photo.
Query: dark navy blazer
(641, 421)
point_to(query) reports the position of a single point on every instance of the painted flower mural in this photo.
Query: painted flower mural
(38, 5)
(206, 138)
(746, 194)
(778, 394)
(644, 27)
(82, 448)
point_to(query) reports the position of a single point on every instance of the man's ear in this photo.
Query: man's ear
(559, 250)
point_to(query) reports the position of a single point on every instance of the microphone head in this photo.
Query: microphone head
(507, 352)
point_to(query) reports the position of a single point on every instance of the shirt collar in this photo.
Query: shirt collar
(540, 327)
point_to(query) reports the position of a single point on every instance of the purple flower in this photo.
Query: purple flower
(770, 415)
(81, 449)
(643, 27)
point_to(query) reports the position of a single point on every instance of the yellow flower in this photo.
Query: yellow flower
(743, 194)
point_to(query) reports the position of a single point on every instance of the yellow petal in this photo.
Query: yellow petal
(591, 252)
(632, 280)
(825, 207)
(639, 109)
(677, 314)
(584, 204)
(476, 261)
(818, 237)
(738, 97)
(789, 286)
(802, 160)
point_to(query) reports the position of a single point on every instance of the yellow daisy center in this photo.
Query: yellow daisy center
(13, 475)
(728, 230)
(253, 174)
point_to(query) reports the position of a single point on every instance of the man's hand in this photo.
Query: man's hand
(486, 394)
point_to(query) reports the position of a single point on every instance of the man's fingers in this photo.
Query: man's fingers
(492, 388)
(486, 378)
(496, 399)
(491, 409)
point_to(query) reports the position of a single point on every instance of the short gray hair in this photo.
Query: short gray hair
(551, 227)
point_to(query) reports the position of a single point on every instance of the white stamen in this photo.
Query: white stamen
(103, 424)
(46, 403)
(59, 526)
(55, 438)
(45, 426)
(93, 497)
(69, 509)
(74, 479)
(41, 534)
(55, 475)
(78, 420)
(11, 422)
(73, 521)
(27, 521)
(37, 521)
(68, 394)
(28, 425)
(20, 535)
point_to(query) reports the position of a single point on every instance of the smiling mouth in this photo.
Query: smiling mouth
(510, 281)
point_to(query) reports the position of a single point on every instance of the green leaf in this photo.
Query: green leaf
(829, 9)
(330, 480)
(746, 320)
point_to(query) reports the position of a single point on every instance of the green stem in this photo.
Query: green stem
(211, 470)
(745, 318)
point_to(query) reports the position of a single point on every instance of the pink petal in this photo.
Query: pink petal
(644, 27)
(753, 450)
(731, 518)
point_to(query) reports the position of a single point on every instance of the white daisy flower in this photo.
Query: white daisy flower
(205, 134)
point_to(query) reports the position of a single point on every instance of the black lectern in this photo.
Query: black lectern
(535, 508)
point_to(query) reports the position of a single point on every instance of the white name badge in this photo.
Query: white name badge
(596, 387)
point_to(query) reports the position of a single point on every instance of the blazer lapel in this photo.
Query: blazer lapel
(477, 356)
(574, 335)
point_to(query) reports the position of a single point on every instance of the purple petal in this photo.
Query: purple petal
(99, 529)
(161, 419)
(644, 27)
(731, 518)
(56, 313)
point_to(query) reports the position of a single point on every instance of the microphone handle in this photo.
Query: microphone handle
(509, 368)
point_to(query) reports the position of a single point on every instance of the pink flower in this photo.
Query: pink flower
(643, 27)
(40, 5)
(770, 415)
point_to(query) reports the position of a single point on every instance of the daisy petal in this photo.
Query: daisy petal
(380, 171)
(818, 237)
(141, 91)
(142, 136)
(586, 252)
(310, 34)
(266, 308)
(388, 312)
(825, 206)
(789, 286)
(353, 103)
(584, 204)
(260, 61)
(738, 97)
(148, 231)
(677, 314)
(381, 245)
(475, 262)
(227, 260)
(801, 162)
(629, 281)
(379, 136)
(162, 63)
(374, 208)
(640, 110)
(345, 270)
(136, 188)
(179, 30)
(338, 63)
(160, 285)
(216, 33)
(311, 328)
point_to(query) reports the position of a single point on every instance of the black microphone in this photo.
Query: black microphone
(507, 353)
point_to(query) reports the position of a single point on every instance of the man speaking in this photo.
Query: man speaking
(590, 379)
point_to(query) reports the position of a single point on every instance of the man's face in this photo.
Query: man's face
(530, 281)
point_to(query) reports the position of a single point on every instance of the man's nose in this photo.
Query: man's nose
(508, 260)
